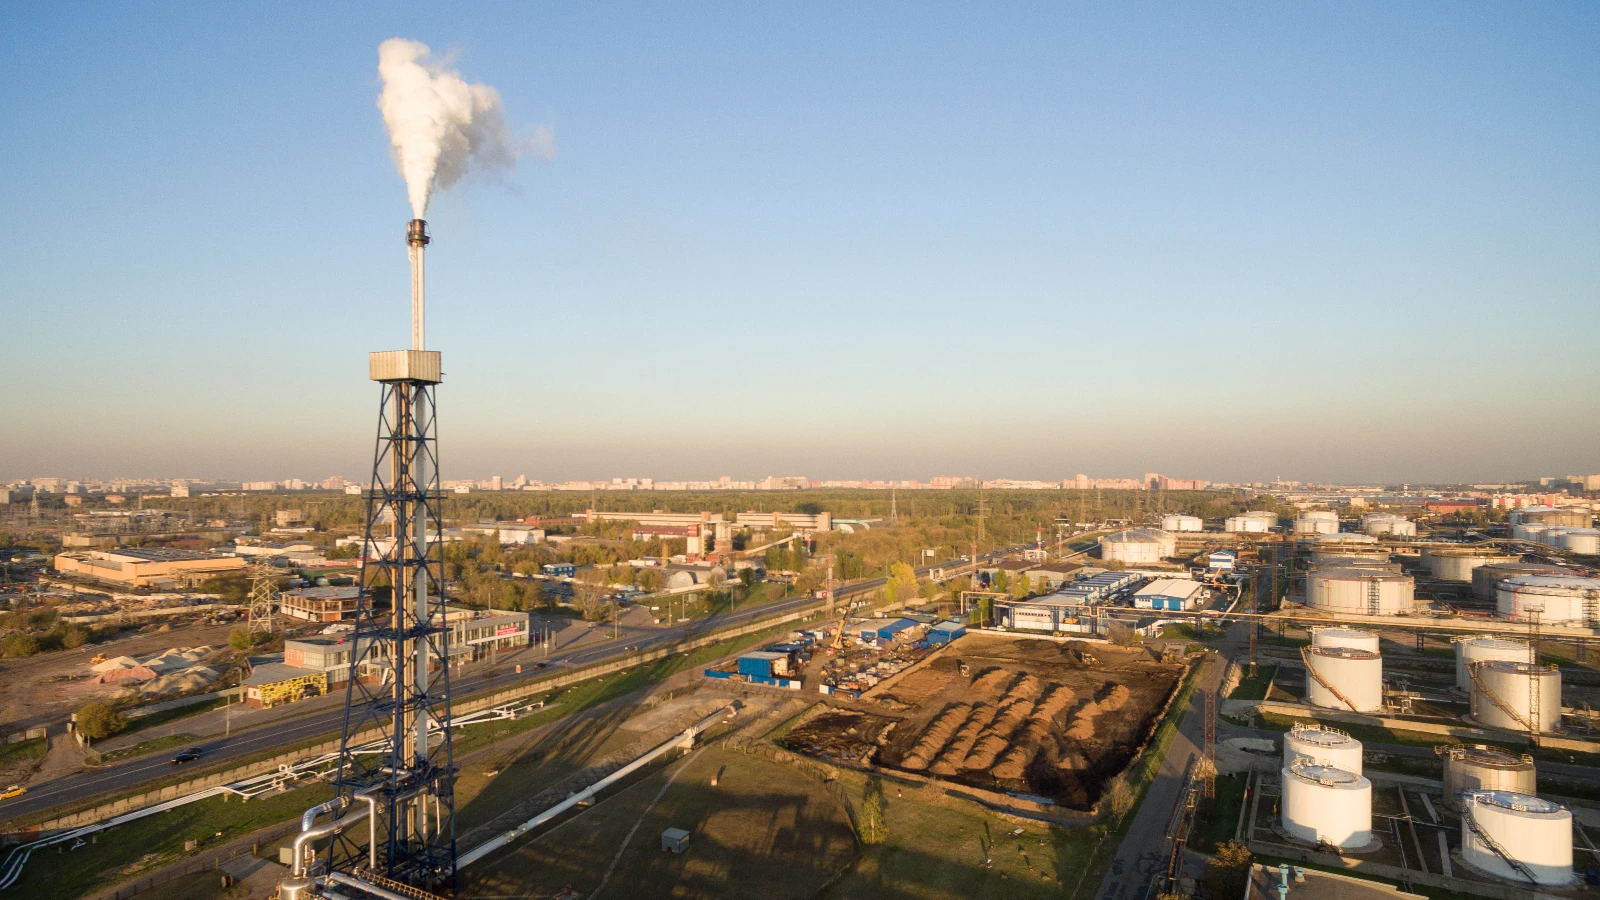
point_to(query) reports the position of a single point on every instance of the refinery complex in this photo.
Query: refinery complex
(461, 550)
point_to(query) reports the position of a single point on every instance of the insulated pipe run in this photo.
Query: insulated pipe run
(358, 884)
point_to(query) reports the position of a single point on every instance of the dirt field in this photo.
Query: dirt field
(1029, 716)
(39, 692)
(772, 833)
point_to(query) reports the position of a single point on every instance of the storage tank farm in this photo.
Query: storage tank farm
(1518, 837)
(1476, 649)
(1327, 804)
(1253, 522)
(1558, 599)
(1458, 563)
(1316, 521)
(1321, 745)
(1504, 693)
(1482, 768)
(1385, 524)
(1141, 546)
(1182, 523)
(1328, 547)
(1549, 515)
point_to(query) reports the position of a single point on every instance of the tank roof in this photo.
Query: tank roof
(1480, 755)
(1527, 804)
(1326, 737)
(1343, 631)
(1332, 776)
(1358, 573)
(1511, 665)
(1494, 642)
(1346, 537)
(1557, 582)
(1345, 652)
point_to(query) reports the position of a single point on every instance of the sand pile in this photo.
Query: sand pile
(936, 735)
(955, 752)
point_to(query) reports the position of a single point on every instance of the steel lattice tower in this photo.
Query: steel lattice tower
(396, 748)
(263, 591)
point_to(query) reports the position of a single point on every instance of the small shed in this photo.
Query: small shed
(945, 632)
(674, 840)
(764, 664)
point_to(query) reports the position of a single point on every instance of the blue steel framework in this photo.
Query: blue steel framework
(403, 649)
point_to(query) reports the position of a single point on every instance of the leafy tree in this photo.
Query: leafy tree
(98, 720)
(1023, 587)
(74, 636)
(874, 821)
(902, 583)
(17, 645)
(1229, 869)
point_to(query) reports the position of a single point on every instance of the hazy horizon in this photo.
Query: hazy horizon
(1350, 244)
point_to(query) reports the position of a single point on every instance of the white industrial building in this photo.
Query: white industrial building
(1141, 546)
(1387, 524)
(1254, 522)
(1182, 523)
(1316, 521)
(1176, 594)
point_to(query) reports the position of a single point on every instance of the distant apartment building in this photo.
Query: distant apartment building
(259, 486)
(180, 489)
(283, 518)
(802, 522)
(142, 568)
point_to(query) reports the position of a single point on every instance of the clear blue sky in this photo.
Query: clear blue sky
(1321, 241)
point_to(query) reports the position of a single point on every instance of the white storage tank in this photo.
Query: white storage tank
(1254, 522)
(1503, 695)
(1360, 591)
(1486, 578)
(1141, 546)
(1585, 541)
(1551, 537)
(1316, 521)
(1535, 833)
(1481, 768)
(1339, 636)
(1560, 599)
(1321, 745)
(1456, 564)
(1343, 678)
(1323, 804)
(1471, 650)
(1334, 559)
(1386, 524)
(1549, 515)
(1182, 523)
(1528, 532)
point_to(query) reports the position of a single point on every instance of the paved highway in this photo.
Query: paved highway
(326, 723)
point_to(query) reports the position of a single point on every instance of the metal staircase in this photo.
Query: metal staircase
(1374, 607)
(1505, 707)
(1305, 657)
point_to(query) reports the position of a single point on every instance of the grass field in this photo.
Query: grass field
(23, 751)
(1218, 816)
(943, 848)
(1255, 688)
(151, 842)
(150, 746)
(765, 828)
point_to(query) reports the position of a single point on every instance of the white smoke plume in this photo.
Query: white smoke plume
(441, 126)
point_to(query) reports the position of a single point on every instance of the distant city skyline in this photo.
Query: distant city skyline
(1333, 243)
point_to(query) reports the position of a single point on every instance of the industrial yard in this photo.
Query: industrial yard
(1046, 718)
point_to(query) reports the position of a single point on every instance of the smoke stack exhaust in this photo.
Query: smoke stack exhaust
(416, 239)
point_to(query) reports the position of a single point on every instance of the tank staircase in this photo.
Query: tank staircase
(1374, 603)
(1591, 609)
(1505, 707)
(1305, 657)
(1478, 832)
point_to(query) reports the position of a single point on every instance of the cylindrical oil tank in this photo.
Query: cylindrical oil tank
(1529, 532)
(1471, 650)
(1338, 636)
(1549, 515)
(1182, 523)
(1486, 579)
(1356, 675)
(1480, 768)
(1551, 537)
(1316, 522)
(1585, 541)
(1360, 591)
(1525, 828)
(1322, 804)
(1453, 564)
(1320, 745)
(1560, 599)
(1503, 695)
(1387, 524)
(1256, 522)
(1141, 546)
